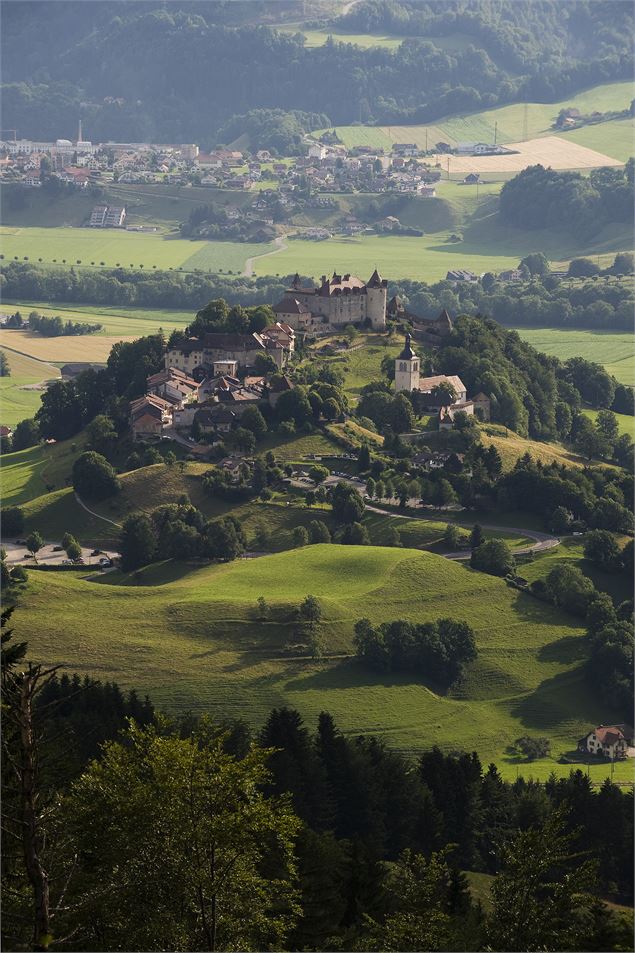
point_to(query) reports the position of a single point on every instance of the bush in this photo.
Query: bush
(494, 557)
(93, 477)
(12, 521)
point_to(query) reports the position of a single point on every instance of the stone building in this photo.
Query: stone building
(336, 302)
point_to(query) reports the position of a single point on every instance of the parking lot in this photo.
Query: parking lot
(52, 554)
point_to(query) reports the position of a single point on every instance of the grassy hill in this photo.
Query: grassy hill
(513, 123)
(612, 349)
(191, 639)
(19, 396)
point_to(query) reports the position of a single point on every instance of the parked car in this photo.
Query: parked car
(96, 552)
(57, 549)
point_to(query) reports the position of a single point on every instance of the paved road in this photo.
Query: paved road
(279, 242)
(542, 541)
(17, 555)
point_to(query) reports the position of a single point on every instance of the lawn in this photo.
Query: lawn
(515, 123)
(19, 398)
(571, 553)
(511, 446)
(130, 249)
(82, 347)
(626, 424)
(190, 638)
(612, 349)
(614, 137)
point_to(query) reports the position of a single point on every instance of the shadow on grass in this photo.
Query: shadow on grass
(568, 650)
(350, 673)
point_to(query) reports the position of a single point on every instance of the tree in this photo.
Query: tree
(392, 537)
(218, 870)
(74, 551)
(138, 542)
(251, 419)
(300, 536)
(319, 532)
(348, 506)
(494, 557)
(537, 264)
(476, 536)
(363, 458)
(34, 543)
(331, 408)
(601, 548)
(12, 521)
(263, 608)
(444, 393)
(583, 268)
(588, 441)
(452, 536)
(101, 434)
(310, 609)
(244, 440)
(355, 534)
(542, 893)
(26, 434)
(93, 477)
(569, 589)
(607, 426)
(318, 474)
(532, 748)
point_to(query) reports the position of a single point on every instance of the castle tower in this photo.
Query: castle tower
(376, 293)
(407, 368)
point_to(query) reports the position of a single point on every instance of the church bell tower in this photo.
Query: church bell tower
(407, 368)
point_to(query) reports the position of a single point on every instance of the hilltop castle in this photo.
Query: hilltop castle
(338, 301)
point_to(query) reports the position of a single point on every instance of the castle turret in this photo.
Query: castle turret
(376, 293)
(407, 368)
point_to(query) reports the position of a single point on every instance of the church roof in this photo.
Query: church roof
(407, 354)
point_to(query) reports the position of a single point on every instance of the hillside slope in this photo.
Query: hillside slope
(192, 640)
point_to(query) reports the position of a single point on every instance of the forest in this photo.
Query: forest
(154, 81)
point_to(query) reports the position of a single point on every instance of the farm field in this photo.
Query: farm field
(556, 152)
(390, 41)
(116, 321)
(88, 347)
(625, 423)
(614, 138)
(200, 626)
(511, 123)
(18, 396)
(130, 249)
(614, 350)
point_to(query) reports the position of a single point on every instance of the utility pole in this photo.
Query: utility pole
(525, 122)
(495, 132)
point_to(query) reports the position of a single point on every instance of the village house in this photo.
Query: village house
(149, 417)
(197, 356)
(173, 385)
(607, 741)
(460, 274)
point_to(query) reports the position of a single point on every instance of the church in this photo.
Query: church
(336, 302)
(408, 378)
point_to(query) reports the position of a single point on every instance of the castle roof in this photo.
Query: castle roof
(375, 280)
(290, 305)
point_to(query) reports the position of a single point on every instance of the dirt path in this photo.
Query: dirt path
(97, 515)
(280, 244)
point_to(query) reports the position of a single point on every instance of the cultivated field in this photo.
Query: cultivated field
(60, 350)
(612, 349)
(19, 395)
(551, 151)
(192, 641)
(615, 138)
(116, 321)
(112, 247)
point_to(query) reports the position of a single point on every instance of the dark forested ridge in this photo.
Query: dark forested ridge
(178, 72)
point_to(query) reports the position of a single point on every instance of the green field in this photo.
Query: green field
(625, 423)
(130, 249)
(318, 36)
(513, 124)
(115, 320)
(571, 552)
(16, 402)
(614, 350)
(191, 640)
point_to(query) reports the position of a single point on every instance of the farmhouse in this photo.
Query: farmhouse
(107, 216)
(608, 741)
(173, 385)
(336, 302)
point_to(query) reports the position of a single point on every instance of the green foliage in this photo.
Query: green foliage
(494, 557)
(569, 588)
(347, 504)
(93, 477)
(601, 548)
(12, 521)
(532, 748)
(138, 542)
(217, 854)
(542, 893)
(34, 543)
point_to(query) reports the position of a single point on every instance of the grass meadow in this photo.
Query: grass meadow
(190, 638)
(112, 247)
(18, 396)
(117, 321)
(612, 349)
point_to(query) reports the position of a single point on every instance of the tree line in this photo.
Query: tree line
(51, 327)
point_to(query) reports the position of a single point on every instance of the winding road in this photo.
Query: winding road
(280, 244)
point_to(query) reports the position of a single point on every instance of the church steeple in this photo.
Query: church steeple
(407, 368)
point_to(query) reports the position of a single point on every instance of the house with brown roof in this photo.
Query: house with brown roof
(149, 417)
(335, 302)
(607, 741)
(173, 385)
